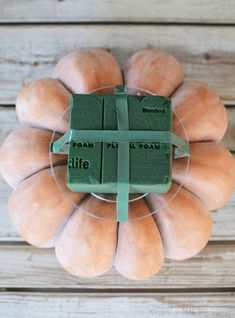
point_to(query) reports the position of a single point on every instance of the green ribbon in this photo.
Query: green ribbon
(61, 146)
(123, 155)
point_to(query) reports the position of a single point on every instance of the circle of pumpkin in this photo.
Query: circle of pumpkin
(88, 246)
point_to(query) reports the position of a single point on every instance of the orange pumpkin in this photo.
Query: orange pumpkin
(88, 245)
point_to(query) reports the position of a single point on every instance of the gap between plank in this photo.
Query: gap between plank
(124, 22)
(24, 243)
(129, 291)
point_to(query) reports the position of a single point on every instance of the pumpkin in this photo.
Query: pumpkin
(42, 104)
(82, 228)
(28, 146)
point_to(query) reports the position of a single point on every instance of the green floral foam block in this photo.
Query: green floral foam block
(92, 166)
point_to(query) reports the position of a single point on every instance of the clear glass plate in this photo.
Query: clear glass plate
(109, 200)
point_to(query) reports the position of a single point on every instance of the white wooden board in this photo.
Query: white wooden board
(33, 35)
(116, 305)
(29, 52)
(149, 11)
(28, 267)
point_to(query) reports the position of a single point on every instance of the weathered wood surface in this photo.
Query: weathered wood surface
(201, 36)
(28, 267)
(28, 51)
(116, 305)
(229, 138)
(224, 219)
(180, 11)
(8, 122)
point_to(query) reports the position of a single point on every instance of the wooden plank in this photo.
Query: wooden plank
(206, 52)
(7, 230)
(223, 222)
(116, 305)
(229, 138)
(39, 268)
(183, 11)
(8, 123)
(224, 219)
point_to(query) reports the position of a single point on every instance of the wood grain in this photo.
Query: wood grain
(39, 268)
(29, 52)
(180, 11)
(116, 305)
(8, 122)
(229, 138)
(34, 34)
